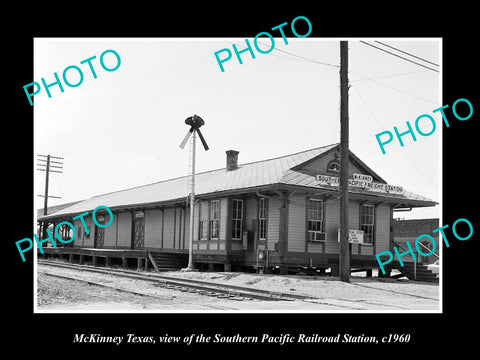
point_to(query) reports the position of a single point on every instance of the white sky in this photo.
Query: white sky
(124, 128)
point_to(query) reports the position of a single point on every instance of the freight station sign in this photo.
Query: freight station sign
(361, 181)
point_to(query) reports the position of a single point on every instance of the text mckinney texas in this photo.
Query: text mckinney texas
(97, 338)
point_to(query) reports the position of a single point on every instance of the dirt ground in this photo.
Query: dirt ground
(328, 294)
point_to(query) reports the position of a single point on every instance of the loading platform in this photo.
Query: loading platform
(142, 259)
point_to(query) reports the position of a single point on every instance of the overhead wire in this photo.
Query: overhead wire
(303, 57)
(394, 88)
(407, 53)
(386, 76)
(364, 77)
(402, 152)
(414, 62)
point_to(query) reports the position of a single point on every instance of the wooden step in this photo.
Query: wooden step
(422, 273)
(168, 261)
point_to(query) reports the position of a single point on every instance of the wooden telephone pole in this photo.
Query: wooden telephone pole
(46, 164)
(344, 254)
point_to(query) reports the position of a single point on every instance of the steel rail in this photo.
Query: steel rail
(204, 287)
(198, 285)
(131, 291)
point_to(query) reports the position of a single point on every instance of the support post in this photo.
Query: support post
(344, 253)
(192, 205)
(190, 266)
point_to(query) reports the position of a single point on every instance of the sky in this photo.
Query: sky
(123, 129)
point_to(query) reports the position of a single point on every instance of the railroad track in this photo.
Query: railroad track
(222, 291)
(227, 291)
(139, 293)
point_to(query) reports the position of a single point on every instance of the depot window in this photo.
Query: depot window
(214, 218)
(316, 224)
(367, 223)
(237, 219)
(262, 219)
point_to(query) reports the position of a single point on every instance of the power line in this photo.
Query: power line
(368, 107)
(393, 88)
(417, 57)
(387, 76)
(303, 57)
(402, 152)
(401, 57)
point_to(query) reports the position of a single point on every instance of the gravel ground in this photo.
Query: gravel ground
(316, 286)
(361, 294)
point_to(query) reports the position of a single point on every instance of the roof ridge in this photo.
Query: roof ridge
(209, 171)
(284, 156)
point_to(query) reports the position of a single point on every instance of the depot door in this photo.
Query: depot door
(138, 230)
(99, 233)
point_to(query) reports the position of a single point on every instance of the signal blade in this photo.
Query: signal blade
(189, 133)
(202, 139)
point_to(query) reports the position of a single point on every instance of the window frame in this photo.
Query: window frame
(237, 223)
(204, 230)
(318, 220)
(262, 218)
(214, 218)
(370, 233)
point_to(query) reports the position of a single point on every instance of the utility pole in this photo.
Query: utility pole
(47, 168)
(344, 255)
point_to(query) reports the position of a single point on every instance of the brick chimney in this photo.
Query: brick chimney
(232, 160)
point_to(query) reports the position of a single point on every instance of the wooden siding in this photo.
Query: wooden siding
(124, 239)
(251, 218)
(168, 231)
(223, 219)
(185, 228)
(332, 223)
(170, 227)
(382, 228)
(273, 223)
(196, 225)
(296, 223)
(89, 240)
(110, 236)
(178, 213)
(251, 212)
(153, 228)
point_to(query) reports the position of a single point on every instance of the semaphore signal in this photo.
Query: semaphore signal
(195, 123)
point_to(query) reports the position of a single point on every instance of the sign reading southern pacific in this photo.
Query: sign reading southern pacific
(361, 181)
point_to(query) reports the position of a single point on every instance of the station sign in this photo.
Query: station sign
(354, 236)
(361, 181)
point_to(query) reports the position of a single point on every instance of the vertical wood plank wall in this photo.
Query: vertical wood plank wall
(171, 227)
(124, 239)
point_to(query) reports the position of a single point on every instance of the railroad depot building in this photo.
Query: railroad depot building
(281, 212)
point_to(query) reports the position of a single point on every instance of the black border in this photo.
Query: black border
(53, 333)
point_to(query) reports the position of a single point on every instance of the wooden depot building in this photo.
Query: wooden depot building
(281, 213)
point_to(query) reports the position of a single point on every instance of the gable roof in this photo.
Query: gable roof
(250, 175)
